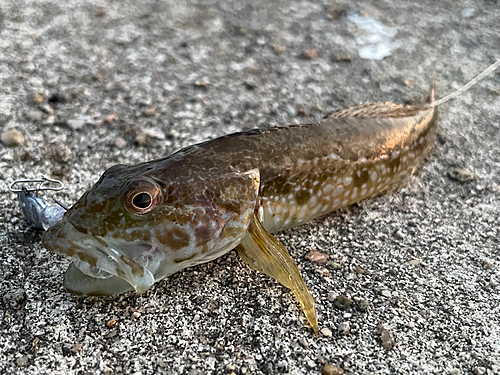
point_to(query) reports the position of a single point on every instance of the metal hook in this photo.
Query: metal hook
(40, 187)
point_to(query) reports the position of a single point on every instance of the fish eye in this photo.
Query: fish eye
(142, 200)
(142, 196)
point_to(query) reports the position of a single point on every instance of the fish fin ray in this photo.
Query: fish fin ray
(264, 253)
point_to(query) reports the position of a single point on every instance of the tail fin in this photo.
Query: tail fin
(465, 87)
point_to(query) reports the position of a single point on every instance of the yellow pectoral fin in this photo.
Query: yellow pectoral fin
(264, 253)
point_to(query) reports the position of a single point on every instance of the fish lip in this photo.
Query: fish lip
(65, 238)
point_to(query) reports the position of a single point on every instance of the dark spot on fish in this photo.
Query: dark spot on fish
(121, 274)
(175, 238)
(96, 207)
(232, 206)
(394, 164)
(302, 197)
(137, 270)
(87, 258)
(286, 188)
(232, 232)
(98, 231)
(140, 235)
(80, 229)
(202, 234)
(170, 195)
(359, 178)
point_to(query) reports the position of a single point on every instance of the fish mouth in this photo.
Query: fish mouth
(98, 267)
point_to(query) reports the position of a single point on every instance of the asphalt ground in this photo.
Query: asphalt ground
(90, 84)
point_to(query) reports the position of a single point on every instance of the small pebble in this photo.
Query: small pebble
(278, 49)
(332, 370)
(136, 314)
(326, 332)
(76, 124)
(303, 342)
(387, 337)
(12, 138)
(38, 98)
(415, 262)
(386, 293)
(486, 264)
(35, 342)
(254, 69)
(29, 67)
(202, 83)
(317, 257)
(311, 54)
(111, 334)
(334, 12)
(342, 302)
(320, 360)
(344, 328)
(120, 142)
(149, 112)
(76, 347)
(35, 115)
(332, 296)
(410, 82)
(335, 265)
(110, 118)
(302, 112)
(141, 139)
(493, 281)
(49, 120)
(462, 175)
(363, 304)
(468, 12)
(22, 361)
(342, 57)
(111, 323)
(101, 12)
(47, 108)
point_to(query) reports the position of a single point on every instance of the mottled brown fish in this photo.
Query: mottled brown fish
(141, 223)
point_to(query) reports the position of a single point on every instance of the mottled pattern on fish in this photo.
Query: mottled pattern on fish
(141, 223)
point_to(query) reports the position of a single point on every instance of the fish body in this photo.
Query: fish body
(141, 223)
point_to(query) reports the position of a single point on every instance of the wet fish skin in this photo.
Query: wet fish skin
(205, 197)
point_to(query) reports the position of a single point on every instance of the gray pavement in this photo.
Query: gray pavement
(141, 79)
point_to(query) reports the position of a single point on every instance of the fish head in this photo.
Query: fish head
(133, 228)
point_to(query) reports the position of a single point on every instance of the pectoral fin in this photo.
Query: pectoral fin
(264, 253)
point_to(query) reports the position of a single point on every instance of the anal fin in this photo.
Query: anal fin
(264, 253)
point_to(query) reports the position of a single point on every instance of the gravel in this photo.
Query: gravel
(90, 84)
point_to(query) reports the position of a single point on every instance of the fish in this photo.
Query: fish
(141, 223)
